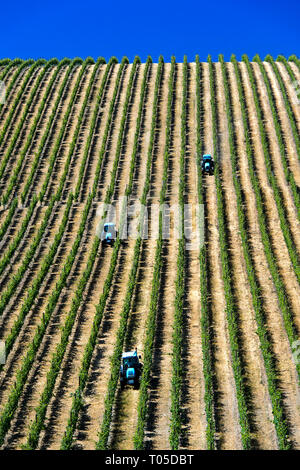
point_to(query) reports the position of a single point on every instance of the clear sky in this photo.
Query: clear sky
(59, 28)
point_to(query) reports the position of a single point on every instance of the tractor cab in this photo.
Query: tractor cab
(207, 164)
(131, 369)
(109, 233)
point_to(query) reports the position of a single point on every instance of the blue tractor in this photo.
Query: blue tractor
(109, 233)
(130, 369)
(207, 164)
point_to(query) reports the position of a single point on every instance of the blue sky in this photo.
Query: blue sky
(95, 28)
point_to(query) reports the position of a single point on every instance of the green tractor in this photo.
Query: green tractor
(130, 369)
(109, 233)
(207, 164)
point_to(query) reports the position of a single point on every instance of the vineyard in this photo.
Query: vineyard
(218, 325)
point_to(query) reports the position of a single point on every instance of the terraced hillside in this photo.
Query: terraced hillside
(217, 325)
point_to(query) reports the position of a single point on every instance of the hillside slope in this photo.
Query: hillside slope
(218, 323)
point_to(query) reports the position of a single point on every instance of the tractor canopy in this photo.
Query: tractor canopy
(207, 157)
(130, 369)
(109, 231)
(109, 226)
(130, 359)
